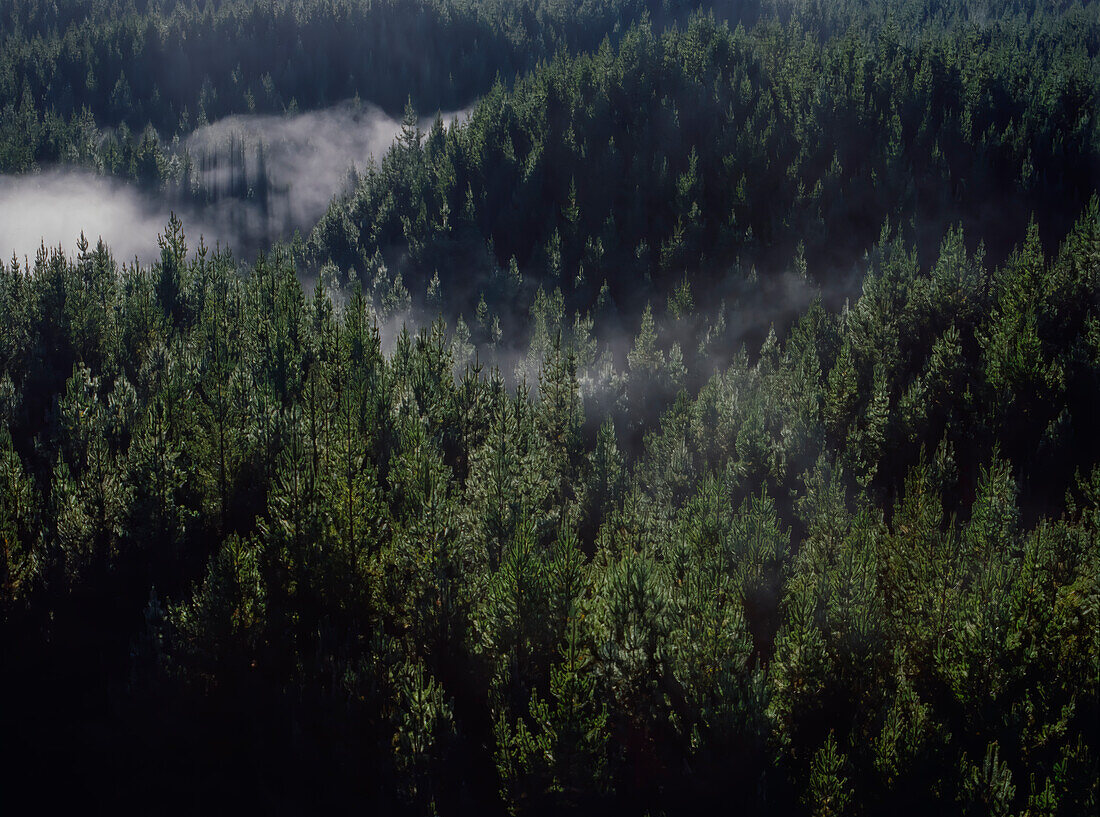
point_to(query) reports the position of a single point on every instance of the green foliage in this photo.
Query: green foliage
(669, 159)
(222, 625)
(424, 733)
(833, 557)
(19, 527)
(828, 793)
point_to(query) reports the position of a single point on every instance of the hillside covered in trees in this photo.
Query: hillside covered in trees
(705, 418)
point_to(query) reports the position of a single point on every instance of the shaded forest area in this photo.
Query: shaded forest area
(251, 559)
(708, 419)
(711, 152)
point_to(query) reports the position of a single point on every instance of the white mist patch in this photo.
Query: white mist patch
(305, 162)
(55, 207)
(288, 168)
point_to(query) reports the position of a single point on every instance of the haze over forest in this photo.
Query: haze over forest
(254, 179)
(538, 407)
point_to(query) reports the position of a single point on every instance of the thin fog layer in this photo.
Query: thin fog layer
(54, 207)
(254, 196)
(290, 167)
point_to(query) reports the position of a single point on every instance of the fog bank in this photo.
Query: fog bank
(54, 207)
(254, 180)
(269, 175)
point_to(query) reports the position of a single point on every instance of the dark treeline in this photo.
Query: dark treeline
(740, 447)
(667, 152)
(250, 558)
(67, 71)
(615, 173)
(104, 82)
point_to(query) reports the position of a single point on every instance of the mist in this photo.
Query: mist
(268, 175)
(54, 207)
(254, 180)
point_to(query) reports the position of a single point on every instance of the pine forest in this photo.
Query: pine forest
(537, 407)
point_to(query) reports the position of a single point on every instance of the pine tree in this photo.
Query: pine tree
(424, 736)
(829, 792)
(20, 528)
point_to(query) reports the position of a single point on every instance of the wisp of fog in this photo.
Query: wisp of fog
(306, 160)
(54, 207)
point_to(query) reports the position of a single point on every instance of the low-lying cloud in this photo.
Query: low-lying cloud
(55, 207)
(306, 160)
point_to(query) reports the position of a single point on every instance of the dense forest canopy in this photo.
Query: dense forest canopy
(705, 415)
(704, 147)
